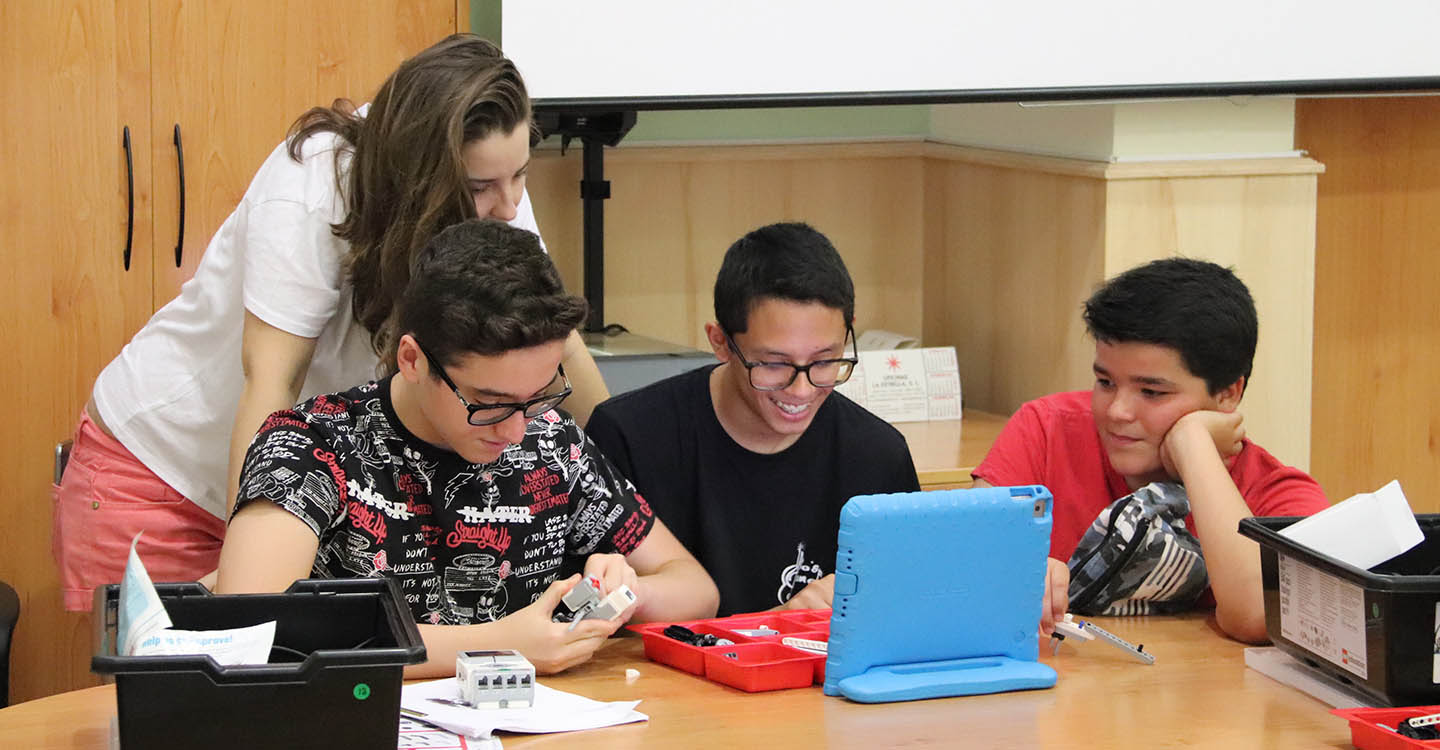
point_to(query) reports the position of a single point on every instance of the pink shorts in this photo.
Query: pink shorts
(106, 497)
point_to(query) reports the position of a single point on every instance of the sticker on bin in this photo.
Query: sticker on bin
(1324, 614)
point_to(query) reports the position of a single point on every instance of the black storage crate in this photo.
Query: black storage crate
(1401, 618)
(333, 679)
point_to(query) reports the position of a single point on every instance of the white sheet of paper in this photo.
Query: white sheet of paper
(1364, 530)
(554, 711)
(144, 628)
(877, 339)
(142, 614)
(249, 645)
(417, 736)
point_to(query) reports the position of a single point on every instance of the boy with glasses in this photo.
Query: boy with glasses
(749, 461)
(457, 477)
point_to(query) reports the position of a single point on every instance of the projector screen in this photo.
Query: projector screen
(678, 54)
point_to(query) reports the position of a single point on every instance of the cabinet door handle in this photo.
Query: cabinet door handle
(180, 162)
(130, 198)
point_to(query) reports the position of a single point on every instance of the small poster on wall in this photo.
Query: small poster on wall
(907, 385)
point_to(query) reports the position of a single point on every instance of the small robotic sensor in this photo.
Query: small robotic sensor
(495, 679)
(584, 602)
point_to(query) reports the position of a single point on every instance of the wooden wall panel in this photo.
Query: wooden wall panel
(1377, 324)
(674, 212)
(1264, 227)
(1022, 249)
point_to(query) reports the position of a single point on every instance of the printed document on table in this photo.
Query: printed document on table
(438, 703)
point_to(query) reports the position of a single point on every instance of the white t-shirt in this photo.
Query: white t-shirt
(171, 395)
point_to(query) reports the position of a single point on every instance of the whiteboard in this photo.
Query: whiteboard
(668, 54)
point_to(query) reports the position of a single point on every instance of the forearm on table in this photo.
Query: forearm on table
(1232, 561)
(444, 642)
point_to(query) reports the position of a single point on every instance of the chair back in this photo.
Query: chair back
(9, 615)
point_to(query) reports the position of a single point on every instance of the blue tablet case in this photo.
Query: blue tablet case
(938, 594)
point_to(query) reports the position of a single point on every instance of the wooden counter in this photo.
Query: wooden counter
(946, 451)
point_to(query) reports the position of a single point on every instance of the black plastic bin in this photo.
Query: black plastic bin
(355, 635)
(1398, 602)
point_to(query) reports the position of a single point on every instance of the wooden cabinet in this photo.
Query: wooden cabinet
(76, 74)
(234, 75)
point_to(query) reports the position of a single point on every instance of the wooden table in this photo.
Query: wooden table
(1198, 694)
(946, 451)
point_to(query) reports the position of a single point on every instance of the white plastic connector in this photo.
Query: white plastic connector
(805, 644)
(613, 605)
(1068, 628)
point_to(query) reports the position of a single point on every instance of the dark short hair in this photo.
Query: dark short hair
(789, 261)
(1201, 310)
(485, 287)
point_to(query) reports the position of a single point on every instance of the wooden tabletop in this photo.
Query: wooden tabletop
(945, 451)
(1197, 694)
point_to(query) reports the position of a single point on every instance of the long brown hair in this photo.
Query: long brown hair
(404, 180)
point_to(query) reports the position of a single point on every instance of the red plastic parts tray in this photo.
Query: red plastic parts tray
(1367, 733)
(754, 663)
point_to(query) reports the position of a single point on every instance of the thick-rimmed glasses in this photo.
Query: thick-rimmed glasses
(777, 376)
(487, 414)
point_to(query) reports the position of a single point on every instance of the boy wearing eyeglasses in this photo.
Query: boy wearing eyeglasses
(458, 477)
(749, 461)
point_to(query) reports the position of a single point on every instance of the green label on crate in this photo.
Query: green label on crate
(362, 691)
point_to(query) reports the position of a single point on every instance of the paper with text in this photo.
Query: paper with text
(144, 628)
(907, 385)
(553, 711)
(142, 614)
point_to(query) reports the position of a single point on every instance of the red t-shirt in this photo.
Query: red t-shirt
(1053, 441)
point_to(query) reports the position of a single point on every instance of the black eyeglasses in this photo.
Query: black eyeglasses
(777, 376)
(486, 414)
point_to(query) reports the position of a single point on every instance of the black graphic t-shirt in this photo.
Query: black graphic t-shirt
(468, 543)
(763, 526)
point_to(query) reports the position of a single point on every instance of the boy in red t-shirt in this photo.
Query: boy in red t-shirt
(1174, 342)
